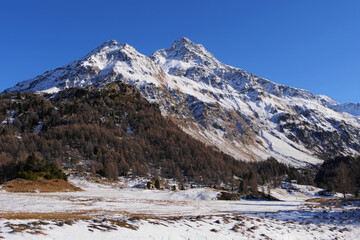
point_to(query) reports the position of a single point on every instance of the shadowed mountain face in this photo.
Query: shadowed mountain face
(246, 116)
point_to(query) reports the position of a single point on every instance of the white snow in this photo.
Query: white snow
(51, 90)
(103, 198)
(283, 150)
(117, 213)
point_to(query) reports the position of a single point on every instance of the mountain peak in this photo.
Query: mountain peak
(184, 50)
(183, 45)
(183, 42)
(110, 43)
(108, 62)
(107, 46)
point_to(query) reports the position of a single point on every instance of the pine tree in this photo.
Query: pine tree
(343, 178)
(157, 184)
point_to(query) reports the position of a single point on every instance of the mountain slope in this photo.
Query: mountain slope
(111, 61)
(246, 116)
(114, 131)
(292, 124)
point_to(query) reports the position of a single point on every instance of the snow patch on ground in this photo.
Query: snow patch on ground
(117, 210)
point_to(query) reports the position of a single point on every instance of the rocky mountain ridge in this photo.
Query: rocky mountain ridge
(246, 116)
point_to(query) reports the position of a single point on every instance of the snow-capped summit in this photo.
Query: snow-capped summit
(246, 116)
(110, 61)
(185, 51)
(109, 45)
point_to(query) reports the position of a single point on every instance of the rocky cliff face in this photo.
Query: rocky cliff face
(248, 117)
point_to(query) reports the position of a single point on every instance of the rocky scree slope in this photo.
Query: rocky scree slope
(246, 116)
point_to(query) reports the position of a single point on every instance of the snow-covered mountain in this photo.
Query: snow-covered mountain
(352, 108)
(248, 117)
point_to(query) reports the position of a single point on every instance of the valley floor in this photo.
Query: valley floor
(119, 211)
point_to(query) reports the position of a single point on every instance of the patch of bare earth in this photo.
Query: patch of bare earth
(39, 185)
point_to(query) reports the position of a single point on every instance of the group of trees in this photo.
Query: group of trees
(32, 168)
(35, 167)
(115, 131)
(273, 172)
(341, 174)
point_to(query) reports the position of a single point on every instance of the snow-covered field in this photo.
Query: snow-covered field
(118, 211)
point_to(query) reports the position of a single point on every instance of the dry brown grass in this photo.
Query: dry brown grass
(41, 184)
(236, 228)
(321, 200)
(84, 215)
(61, 219)
(326, 200)
(47, 216)
(96, 221)
(124, 224)
(31, 227)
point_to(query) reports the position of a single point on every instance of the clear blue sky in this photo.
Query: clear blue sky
(309, 44)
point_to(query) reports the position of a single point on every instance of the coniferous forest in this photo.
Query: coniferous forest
(116, 132)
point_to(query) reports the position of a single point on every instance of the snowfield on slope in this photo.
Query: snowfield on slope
(119, 211)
